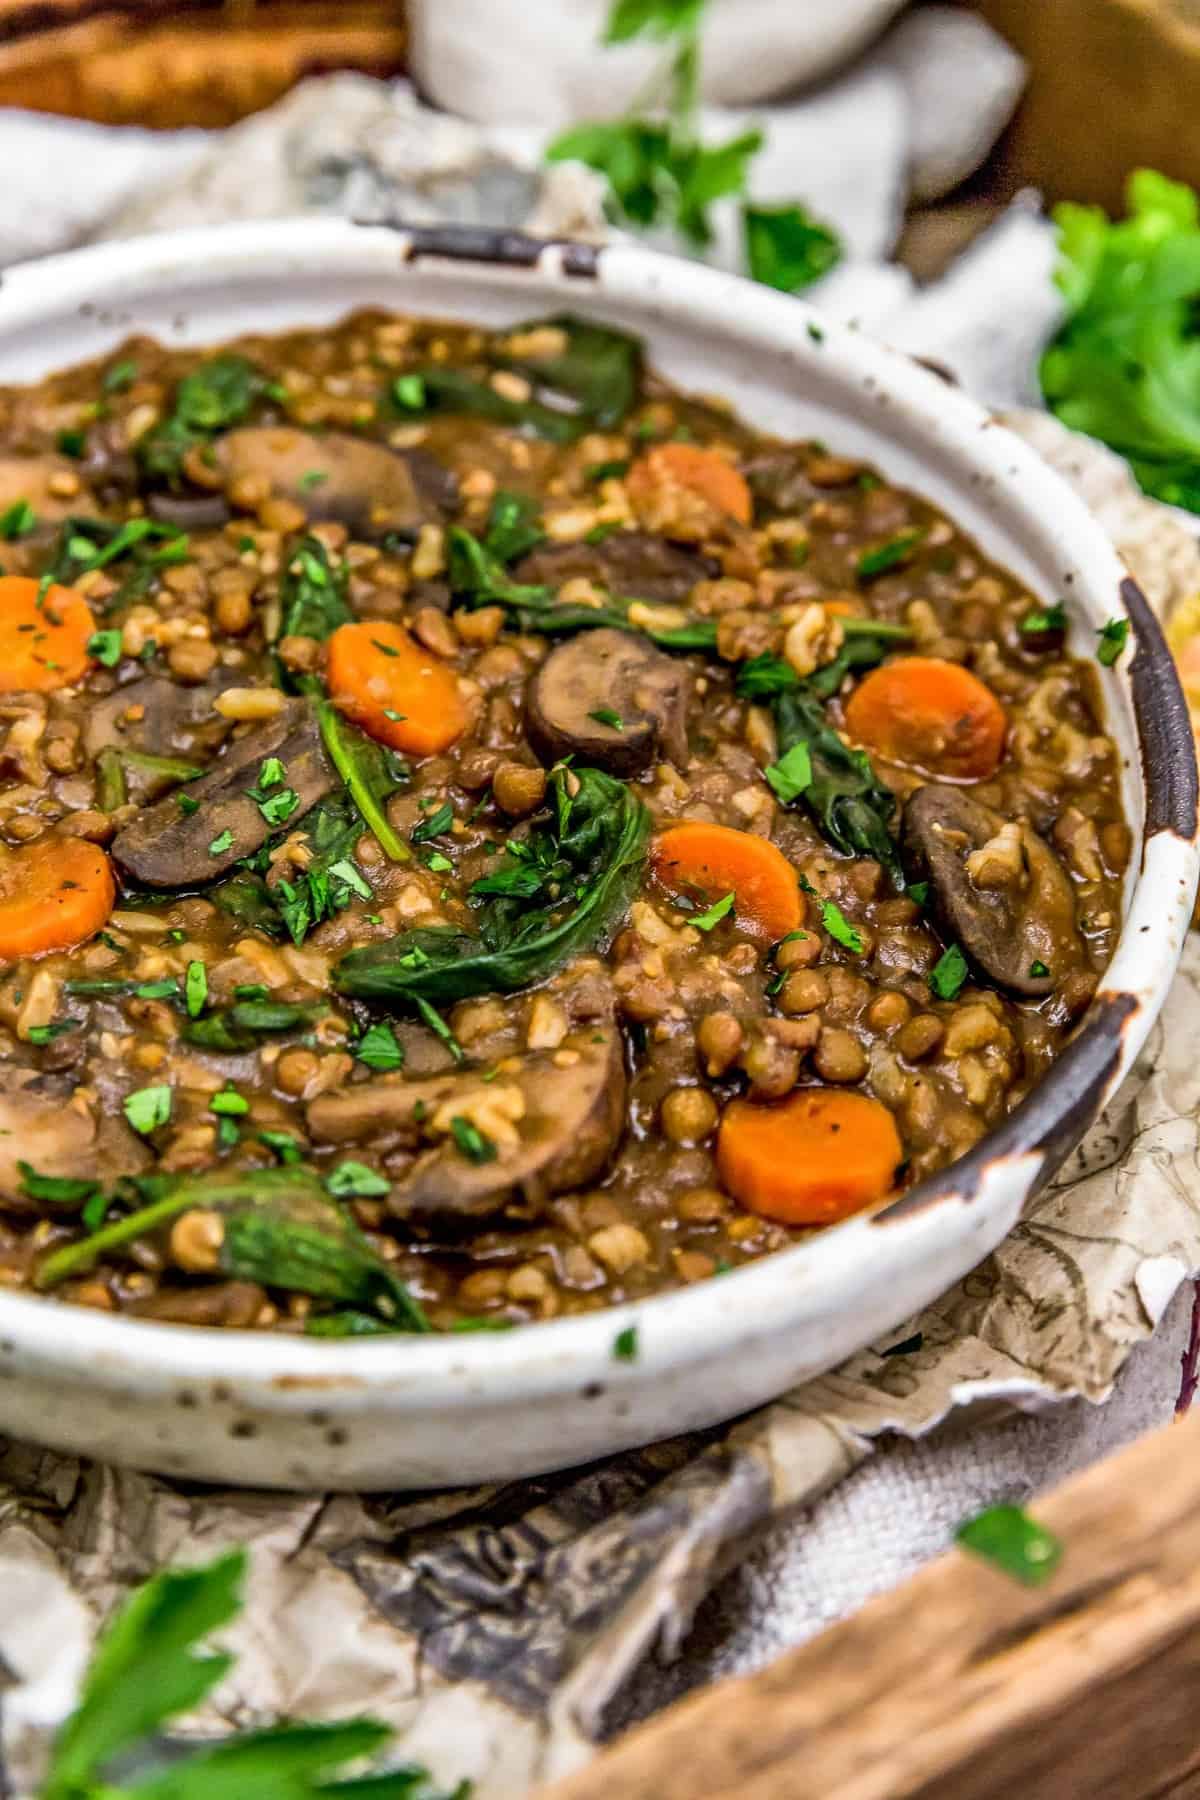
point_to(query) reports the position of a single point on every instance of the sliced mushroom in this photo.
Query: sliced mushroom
(190, 512)
(1011, 913)
(43, 1124)
(362, 485)
(160, 717)
(558, 1118)
(611, 699)
(165, 847)
(636, 564)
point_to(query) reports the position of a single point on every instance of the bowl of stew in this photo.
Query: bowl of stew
(575, 843)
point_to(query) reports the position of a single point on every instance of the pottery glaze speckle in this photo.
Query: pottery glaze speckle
(269, 1410)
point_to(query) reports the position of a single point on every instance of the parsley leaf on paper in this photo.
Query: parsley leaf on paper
(787, 248)
(150, 1666)
(1125, 365)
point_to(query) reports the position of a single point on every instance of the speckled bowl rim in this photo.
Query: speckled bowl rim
(281, 1373)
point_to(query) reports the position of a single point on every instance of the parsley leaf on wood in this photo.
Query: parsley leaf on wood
(1007, 1537)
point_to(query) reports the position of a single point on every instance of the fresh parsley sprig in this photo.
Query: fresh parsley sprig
(150, 1666)
(659, 172)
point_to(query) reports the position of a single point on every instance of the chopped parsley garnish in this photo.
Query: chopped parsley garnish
(433, 1018)
(229, 1103)
(188, 806)
(948, 973)
(71, 443)
(283, 1144)
(840, 929)
(222, 842)
(625, 1345)
(56, 1190)
(94, 1210)
(1044, 619)
(1037, 969)
(474, 1144)
(719, 910)
(349, 875)
(271, 774)
(278, 808)
(917, 892)
(434, 825)
(1007, 1537)
(354, 1180)
(46, 1034)
(439, 864)
(195, 989)
(408, 391)
(893, 554)
(312, 478)
(1113, 637)
(379, 1047)
(791, 775)
(17, 520)
(105, 647)
(149, 1107)
(118, 377)
(604, 715)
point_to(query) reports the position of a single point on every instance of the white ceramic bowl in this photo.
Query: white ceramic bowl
(401, 1412)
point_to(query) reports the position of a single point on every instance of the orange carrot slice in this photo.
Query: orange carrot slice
(401, 695)
(814, 1158)
(691, 466)
(931, 715)
(54, 894)
(714, 860)
(43, 637)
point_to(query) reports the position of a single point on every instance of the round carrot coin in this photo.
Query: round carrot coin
(714, 860)
(43, 636)
(54, 894)
(931, 715)
(397, 692)
(812, 1159)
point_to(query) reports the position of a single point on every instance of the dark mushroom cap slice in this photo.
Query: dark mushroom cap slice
(165, 847)
(160, 717)
(636, 564)
(600, 677)
(569, 1126)
(41, 1123)
(365, 486)
(1012, 910)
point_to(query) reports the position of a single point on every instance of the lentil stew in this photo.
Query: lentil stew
(484, 835)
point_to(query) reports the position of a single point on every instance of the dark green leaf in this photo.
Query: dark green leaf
(433, 826)
(603, 845)
(105, 646)
(379, 1048)
(119, 376)
(146, 1669)
(720, 909)
(653, 18)
(787, 248)
(948, 973)
(892, 554)
(17, 521)
(839, 928)
(1015, 1543)
(149, 1107)
(195, 989)
(238, 1027)
(56, 1190)
(313, 592)
(217, 395)
(791, 775)
(1045, 619)
(350, 1179)
(281, 1228)
(1113, 638)
(625, 1344)
(369, 778)
(474, 1144)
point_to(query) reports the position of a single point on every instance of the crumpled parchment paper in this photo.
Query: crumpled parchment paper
(495, 1627)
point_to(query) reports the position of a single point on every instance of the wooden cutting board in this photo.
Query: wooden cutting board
(963, 1685)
